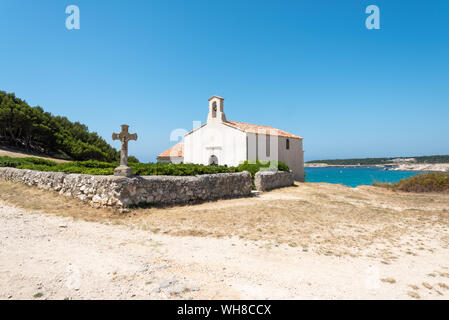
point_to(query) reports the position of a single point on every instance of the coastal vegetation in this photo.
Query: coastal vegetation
(383, 161)
(425, 182)
(256, 165)
(95, 167)
(33, 130)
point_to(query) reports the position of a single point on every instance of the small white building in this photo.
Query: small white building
(224, 142)
(173, 155)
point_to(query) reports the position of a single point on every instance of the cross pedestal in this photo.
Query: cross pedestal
(123, 171)
(124, 137)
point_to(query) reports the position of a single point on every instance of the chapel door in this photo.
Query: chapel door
(213, 160)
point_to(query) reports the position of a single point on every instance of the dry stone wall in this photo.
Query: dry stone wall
(124, 192)
(268, 180)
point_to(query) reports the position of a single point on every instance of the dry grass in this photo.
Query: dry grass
(388, 280)
(33, 199)
(426, 285)
(414, 295)
(424, 182)
(323, 218)
(443, 285)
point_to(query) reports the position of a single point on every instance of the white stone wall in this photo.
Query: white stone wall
(215, 138)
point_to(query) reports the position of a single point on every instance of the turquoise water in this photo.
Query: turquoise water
(354, 177)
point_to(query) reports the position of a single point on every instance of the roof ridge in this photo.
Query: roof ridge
(253, 124)
(246, 127)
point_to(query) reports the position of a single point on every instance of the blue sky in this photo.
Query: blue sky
(307, 67)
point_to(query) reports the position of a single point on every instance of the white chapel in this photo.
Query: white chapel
(223, 142)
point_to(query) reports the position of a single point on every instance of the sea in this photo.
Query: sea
(355, 176)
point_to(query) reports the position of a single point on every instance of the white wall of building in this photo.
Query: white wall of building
(226, 143)
(215, 139)
(293, 157)
(232, 146)
(173, 159)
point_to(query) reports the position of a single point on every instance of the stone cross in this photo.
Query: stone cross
(124, 137)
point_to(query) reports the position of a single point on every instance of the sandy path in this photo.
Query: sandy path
(63, 258)
(17, 154)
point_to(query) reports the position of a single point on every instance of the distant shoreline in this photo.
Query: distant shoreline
(434, 167)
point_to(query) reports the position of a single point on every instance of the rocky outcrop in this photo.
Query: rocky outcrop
(267, 180)
(442, 167)
(124, 192)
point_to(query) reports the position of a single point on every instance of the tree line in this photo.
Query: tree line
(34, 130)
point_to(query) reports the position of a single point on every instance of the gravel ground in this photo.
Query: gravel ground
(43, 256)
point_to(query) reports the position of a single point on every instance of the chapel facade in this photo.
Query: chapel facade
(223, 142)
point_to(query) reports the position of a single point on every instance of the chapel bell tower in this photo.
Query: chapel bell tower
(216, 113)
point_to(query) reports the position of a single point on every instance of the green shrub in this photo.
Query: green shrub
(39, 161)
(9, 162)
(255, 166)
(15, 162)
(171, 169)
(105, 168)
(424, 182)
(283, 167)
(94, 164)
(133, 159)
(95, 167)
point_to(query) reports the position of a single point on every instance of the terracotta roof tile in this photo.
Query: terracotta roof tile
(256, 128)
(176, 151)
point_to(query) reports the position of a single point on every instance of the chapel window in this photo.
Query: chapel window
(267, 143)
